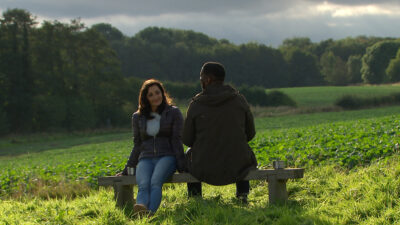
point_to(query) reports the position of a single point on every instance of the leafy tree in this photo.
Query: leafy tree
(49, 112)
(16, 25)
(303, 69)
(49, 49)
(77, 67)
(4, 127)
(108, 31)
(117, 41)
(393, 70)
(344, 48)
(253, 64)
(80, 114)
(3, 86)
(182, 90)
(320, 48)
(376, 60)
(55, 62)
(303, 43)
(98, 76)
(166, 37)
(334, 69)
(354, 68)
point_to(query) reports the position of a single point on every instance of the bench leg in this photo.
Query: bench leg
(123, 195)
(277, 190)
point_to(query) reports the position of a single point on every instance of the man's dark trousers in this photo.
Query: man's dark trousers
(242, 188)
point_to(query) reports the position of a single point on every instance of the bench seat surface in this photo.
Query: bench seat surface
(279, 174)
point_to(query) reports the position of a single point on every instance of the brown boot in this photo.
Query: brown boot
(140, 210)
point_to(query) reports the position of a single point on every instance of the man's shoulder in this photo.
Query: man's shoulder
(196, 97)
(242, 99)
(195, 100)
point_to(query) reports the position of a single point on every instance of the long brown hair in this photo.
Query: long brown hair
(144, 104)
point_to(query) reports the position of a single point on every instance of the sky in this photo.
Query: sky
(239, 21)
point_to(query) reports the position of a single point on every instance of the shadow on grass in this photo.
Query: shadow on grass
(217, 211)
(14, 146)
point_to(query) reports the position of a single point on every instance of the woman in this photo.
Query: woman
(158, 150)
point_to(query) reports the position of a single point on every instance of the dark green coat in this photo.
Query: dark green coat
(218, 126)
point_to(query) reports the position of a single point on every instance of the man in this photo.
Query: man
(218, 126)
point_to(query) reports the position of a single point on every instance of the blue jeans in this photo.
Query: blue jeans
(151, 173)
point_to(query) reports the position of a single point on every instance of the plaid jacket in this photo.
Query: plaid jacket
(166, 142)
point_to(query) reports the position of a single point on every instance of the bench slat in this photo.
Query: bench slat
(280, 174)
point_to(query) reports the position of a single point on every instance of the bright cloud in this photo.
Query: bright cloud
(357, 10)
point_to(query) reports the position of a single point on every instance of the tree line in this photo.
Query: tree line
(177, 55)
(67, 76)
(57, 75)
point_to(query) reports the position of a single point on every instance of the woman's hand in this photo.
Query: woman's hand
(119, 174)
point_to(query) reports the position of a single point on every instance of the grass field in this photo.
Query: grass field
(352, 162)
(21, 144)
(326, 96)
(48, 185)
(302, 120)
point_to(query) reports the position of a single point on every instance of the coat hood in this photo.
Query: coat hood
(216, 94)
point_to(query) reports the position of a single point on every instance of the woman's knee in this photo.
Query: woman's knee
(144, 185)
(156, 185)
(143, 182)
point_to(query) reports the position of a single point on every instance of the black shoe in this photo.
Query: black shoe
(197, 195)
(242, 199)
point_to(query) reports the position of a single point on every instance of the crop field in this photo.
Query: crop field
(346, 143)
(326, 96)
(54, 184)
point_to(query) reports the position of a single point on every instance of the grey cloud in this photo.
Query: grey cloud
(97, 8)
(94, 8)
(273, 31)
(236, 20)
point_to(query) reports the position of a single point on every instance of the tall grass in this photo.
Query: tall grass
(326, 195)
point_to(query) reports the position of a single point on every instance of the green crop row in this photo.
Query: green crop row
(82, 162)
(348, 143)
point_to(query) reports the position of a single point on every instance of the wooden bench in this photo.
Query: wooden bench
(123, 185)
